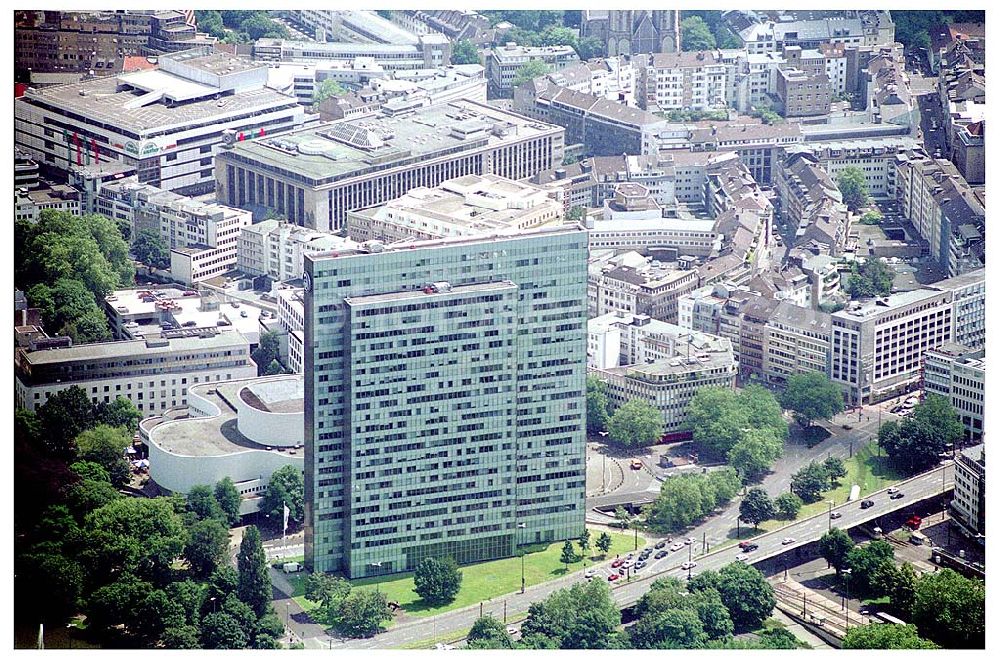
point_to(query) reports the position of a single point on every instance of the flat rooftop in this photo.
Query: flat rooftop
(361, 301)
(106, 350)
(219, 435)
(103, 102)
(341, 149)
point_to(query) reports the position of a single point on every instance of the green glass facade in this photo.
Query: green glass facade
(444, 400)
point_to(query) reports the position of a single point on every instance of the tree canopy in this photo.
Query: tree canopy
(530, 70)
(286, 487)
(149, 247)
(597, 405)
(756, 507)
(874, 278)
(950, 610)
(853, 187)
(810, 482)
(695, 35)
(464, 52)
(915, 443)
(326, 89)
(106, 446)
(877, 636)
(437, 580)
(835, 546)
(581, 617)
(636, 424)
(812, 396)
(687, 498)
(254, 586)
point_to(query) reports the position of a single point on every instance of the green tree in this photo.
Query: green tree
(268, 350)
(329, 592)
(464, 52)
(597, 405)
(787, 506)
(190, 596)
(228, 499)
(756, 507)
(149, 248)
(912, 445)
(488, 633)
(61, 578)
(568, 555)
(903, 589)
(260, 25)
(326, 89)
(220, 631)
(364, 612)
(717, 420)
(180, 638)
(874, 278)
(754, 453)
(936, 412)
(835, 468)
(576, 213)
(580, 617)
(835, 546)
(604, 543)
(64, 416)
(254, 587)
(201, 501)
(763, 410)
(687, 498)
(286, 487)
(778, 638)
(812, 396)
(157, 612)
(695, 35)
(86, 495)
(746, 594)
(589, 47)
(117, 604)
(223, 582)
(274, 368)
(872, 217)
(886, 637)
(140, 536)
(530, 70)
(950, 610)
(584, 541)
(207, 547)
(853, 187)
(119, 413)
(636, 424)
(437, 580)
(69, 308)
(810, 482)
(864, 561)
(670, 629)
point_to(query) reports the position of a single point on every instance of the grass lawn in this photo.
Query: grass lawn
(484, 580)
(864, 469)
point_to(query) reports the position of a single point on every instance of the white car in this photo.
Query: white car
(742, 557)
(688, 541)
(787, 540)
(892, 490)
(689, 565)
(590, 574)
(676, 546)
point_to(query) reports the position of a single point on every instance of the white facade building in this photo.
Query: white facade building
(275, 248)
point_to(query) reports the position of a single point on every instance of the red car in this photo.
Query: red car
(617, 563)
(613, 577)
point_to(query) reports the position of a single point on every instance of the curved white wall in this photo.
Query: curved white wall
(177, 473)
(279, 429)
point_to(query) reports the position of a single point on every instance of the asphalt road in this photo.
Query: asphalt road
(626, 593)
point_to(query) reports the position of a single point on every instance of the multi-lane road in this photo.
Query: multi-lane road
(770, 545)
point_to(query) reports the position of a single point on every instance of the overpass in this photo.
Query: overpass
(916, 489)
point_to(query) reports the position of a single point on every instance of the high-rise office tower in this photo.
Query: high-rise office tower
(444, 399)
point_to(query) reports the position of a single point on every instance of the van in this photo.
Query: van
(291, 567)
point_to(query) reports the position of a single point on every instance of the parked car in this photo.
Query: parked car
(676, 546)
(640, 564)
(660, 544)
(867, 504)
(590, 574)
(613, 577)
(617, 563)
(661, 554)
(688, 541)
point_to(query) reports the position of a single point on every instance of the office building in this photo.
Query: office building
(958, 374)
(243, 429)
(466, 206)
(968, 300)
(632, 283)
(661, 363)
(444, 399)
(432, 50)
(314, 177)
(968, 508)
(153, 374)
(685, 80)
(29, 203)
(275, 248)
(797, 342)
(166, 122)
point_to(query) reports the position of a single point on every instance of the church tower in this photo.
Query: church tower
(643, 31)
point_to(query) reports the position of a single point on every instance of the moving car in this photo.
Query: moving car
(867, 504)
(688, 541)
(636, 464)
(748, 546)
(660, 554)
(676, 546)
(835, 514)
(689, 565)
(892, 490)
(590, 574)
(742, 557)
(896, 496)
(787, 540)
(660, 544)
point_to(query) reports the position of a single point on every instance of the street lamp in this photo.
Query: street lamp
(635, 527)
(376, 565)
(830, 516)
(847, 594)
(690, 560)
(521, 526)
(288, 610)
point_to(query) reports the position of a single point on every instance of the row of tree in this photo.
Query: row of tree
(947, 608)
(811, 481)
(757, 506)
(67, 264)
(705, 613)
(232, 26)
(687, 498)
(635, 424)
(355, 612)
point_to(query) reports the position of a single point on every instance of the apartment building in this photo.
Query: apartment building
(812, 203)
(800, 94)
(766, 36)
(958, 374)
(314, 177)
(154, 374)
(798, 342)
(756, 144)
(167, 123)
(466, 206)
(504, 62)
(944, 210)
(632, 283)
(874, 156)
(29, 203)
(685, 80)
(444, 399)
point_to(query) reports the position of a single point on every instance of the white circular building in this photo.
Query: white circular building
(244, 429)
